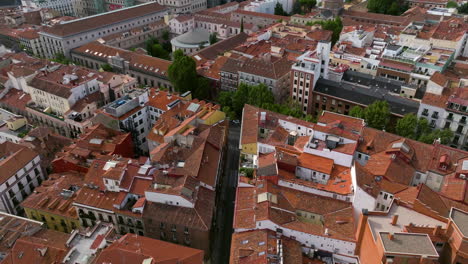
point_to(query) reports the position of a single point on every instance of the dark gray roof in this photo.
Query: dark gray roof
(366, 95)
(393, 47)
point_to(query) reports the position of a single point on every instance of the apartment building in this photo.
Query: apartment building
(181, 202)
(21, 174)
(305, 73)
(180, 117)
(181, 24)
(255, 18)
(269, 70)
(98, 141)
(184, 6)
(130, 114)
(341, 96)
(147, 70)
(12, 126)
(446, 108)
(386, 164)
(51, 203)
(382, 238)
(448, 34)
(62, 38)
(63, 7)
(428, 4)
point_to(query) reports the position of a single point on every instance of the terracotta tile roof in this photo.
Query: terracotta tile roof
(340, 125)
(50, 196)
(139, 62)
(16, 99)
(406, 67)
(455, 188)
(13, 157)
(260, 246)
(383, 19)
(96, 198)
(199, 217)
(264, 15)
(373, 185)
(160, 99)
(89, 23)
(320, 35)
(316, 163)
(272, 67)
(45, 248)
(436, 99)
(279, 204)
(13, 227)
(340, 181)
(439, 79)
(137, 249)
(250, 117)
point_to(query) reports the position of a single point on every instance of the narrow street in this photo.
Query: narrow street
(225, 213)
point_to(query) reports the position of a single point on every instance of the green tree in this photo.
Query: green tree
(165, 35)
(213, 38)
(422, 128)
(452, 4)
(390, 7)
(279, 11)
(463, 9)
(182, 72)
(377, 114)
(334, 25)
(444, 136)
(202, 90)
(60, 58)
(297, 9)
(394, 9)
(356, 111)
(308, 4)
(149, 45)
(406, 127)
(177, 54)
(106, 67)
(158, 51)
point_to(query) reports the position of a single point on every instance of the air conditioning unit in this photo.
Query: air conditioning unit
(463, 176)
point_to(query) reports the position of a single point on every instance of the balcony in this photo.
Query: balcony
(425, 113)
(435, 115)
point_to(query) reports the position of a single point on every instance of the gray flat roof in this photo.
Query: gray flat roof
(406, 243)
(382, 223)
(460, 218)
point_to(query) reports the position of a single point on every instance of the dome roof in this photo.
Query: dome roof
(194, 37)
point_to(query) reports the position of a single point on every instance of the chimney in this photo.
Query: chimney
(391, 236)
(437, 230)
(394, 219)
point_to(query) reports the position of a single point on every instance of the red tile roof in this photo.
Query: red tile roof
(13, 157)
(89, 23)
(136, 249)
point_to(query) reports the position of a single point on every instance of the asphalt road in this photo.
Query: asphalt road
(224, 218)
